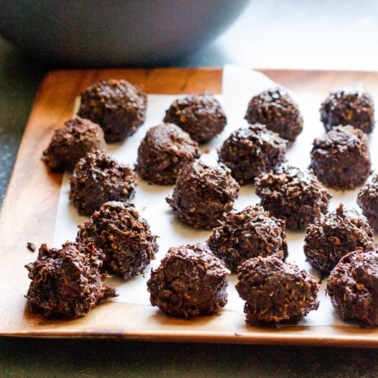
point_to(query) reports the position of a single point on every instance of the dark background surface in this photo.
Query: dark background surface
(255, 40)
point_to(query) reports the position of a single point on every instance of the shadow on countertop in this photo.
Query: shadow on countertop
(20, 78)
(121, 358)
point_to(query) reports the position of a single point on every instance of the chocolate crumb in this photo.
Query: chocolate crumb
(31, 246)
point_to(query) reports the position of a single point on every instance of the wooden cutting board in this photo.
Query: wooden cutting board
(30, 207)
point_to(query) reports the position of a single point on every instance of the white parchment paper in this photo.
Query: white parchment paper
(239, 85)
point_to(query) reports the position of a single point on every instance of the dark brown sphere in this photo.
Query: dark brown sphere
(336, 234)
(250, 151)
(249, 233)
(201, 116)
(293, 195)
(367, 200)
(203, 195)
(123, 235)
(72, 142)
(341, 159)
(275, 109)
(98, 178)
(118, 106)
(67, 282)
(164, 150)
(352, 287)
(190, 281)
(351, 105)
(275, 291)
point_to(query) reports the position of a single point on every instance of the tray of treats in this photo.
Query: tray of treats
(205, 205)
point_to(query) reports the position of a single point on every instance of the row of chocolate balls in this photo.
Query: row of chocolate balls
(189, 281)
(166, 149)
(120, 108)
(117, 104)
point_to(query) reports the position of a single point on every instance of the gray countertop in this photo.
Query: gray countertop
(270, 34)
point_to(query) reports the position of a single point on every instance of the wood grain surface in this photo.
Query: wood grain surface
(29, 212)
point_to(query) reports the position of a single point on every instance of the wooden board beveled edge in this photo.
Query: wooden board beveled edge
(30, 205)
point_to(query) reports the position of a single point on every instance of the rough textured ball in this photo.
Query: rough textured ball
(118, 106)
(351, 105)
(201, 116)
(352, 287)
(293, 195)
(341, 159)
(367, 200)
(67, 282)
(98, 178)
(123, 235)
(203, 195)
(250, 151)
(72, 142)
(190, 281)
(274, 291)
(276, 109)
(164, 150)
(249, 233)
(336, 234)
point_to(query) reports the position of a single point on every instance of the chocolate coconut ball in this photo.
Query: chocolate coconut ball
(351, 105)
(190, 281)
(275, 291)
(165, 149)
(201, 116)
(118, 106)
(335, 235)
(251, 151)
(249, 233)
(123, 235)
(202, 195)
(96, 179)
(341, 159)
(275, 109)
(67, 282)
(367, 200)
(72, 142)
(293, 195)
(353, 287)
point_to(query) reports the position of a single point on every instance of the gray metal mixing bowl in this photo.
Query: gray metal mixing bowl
(95, 33)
